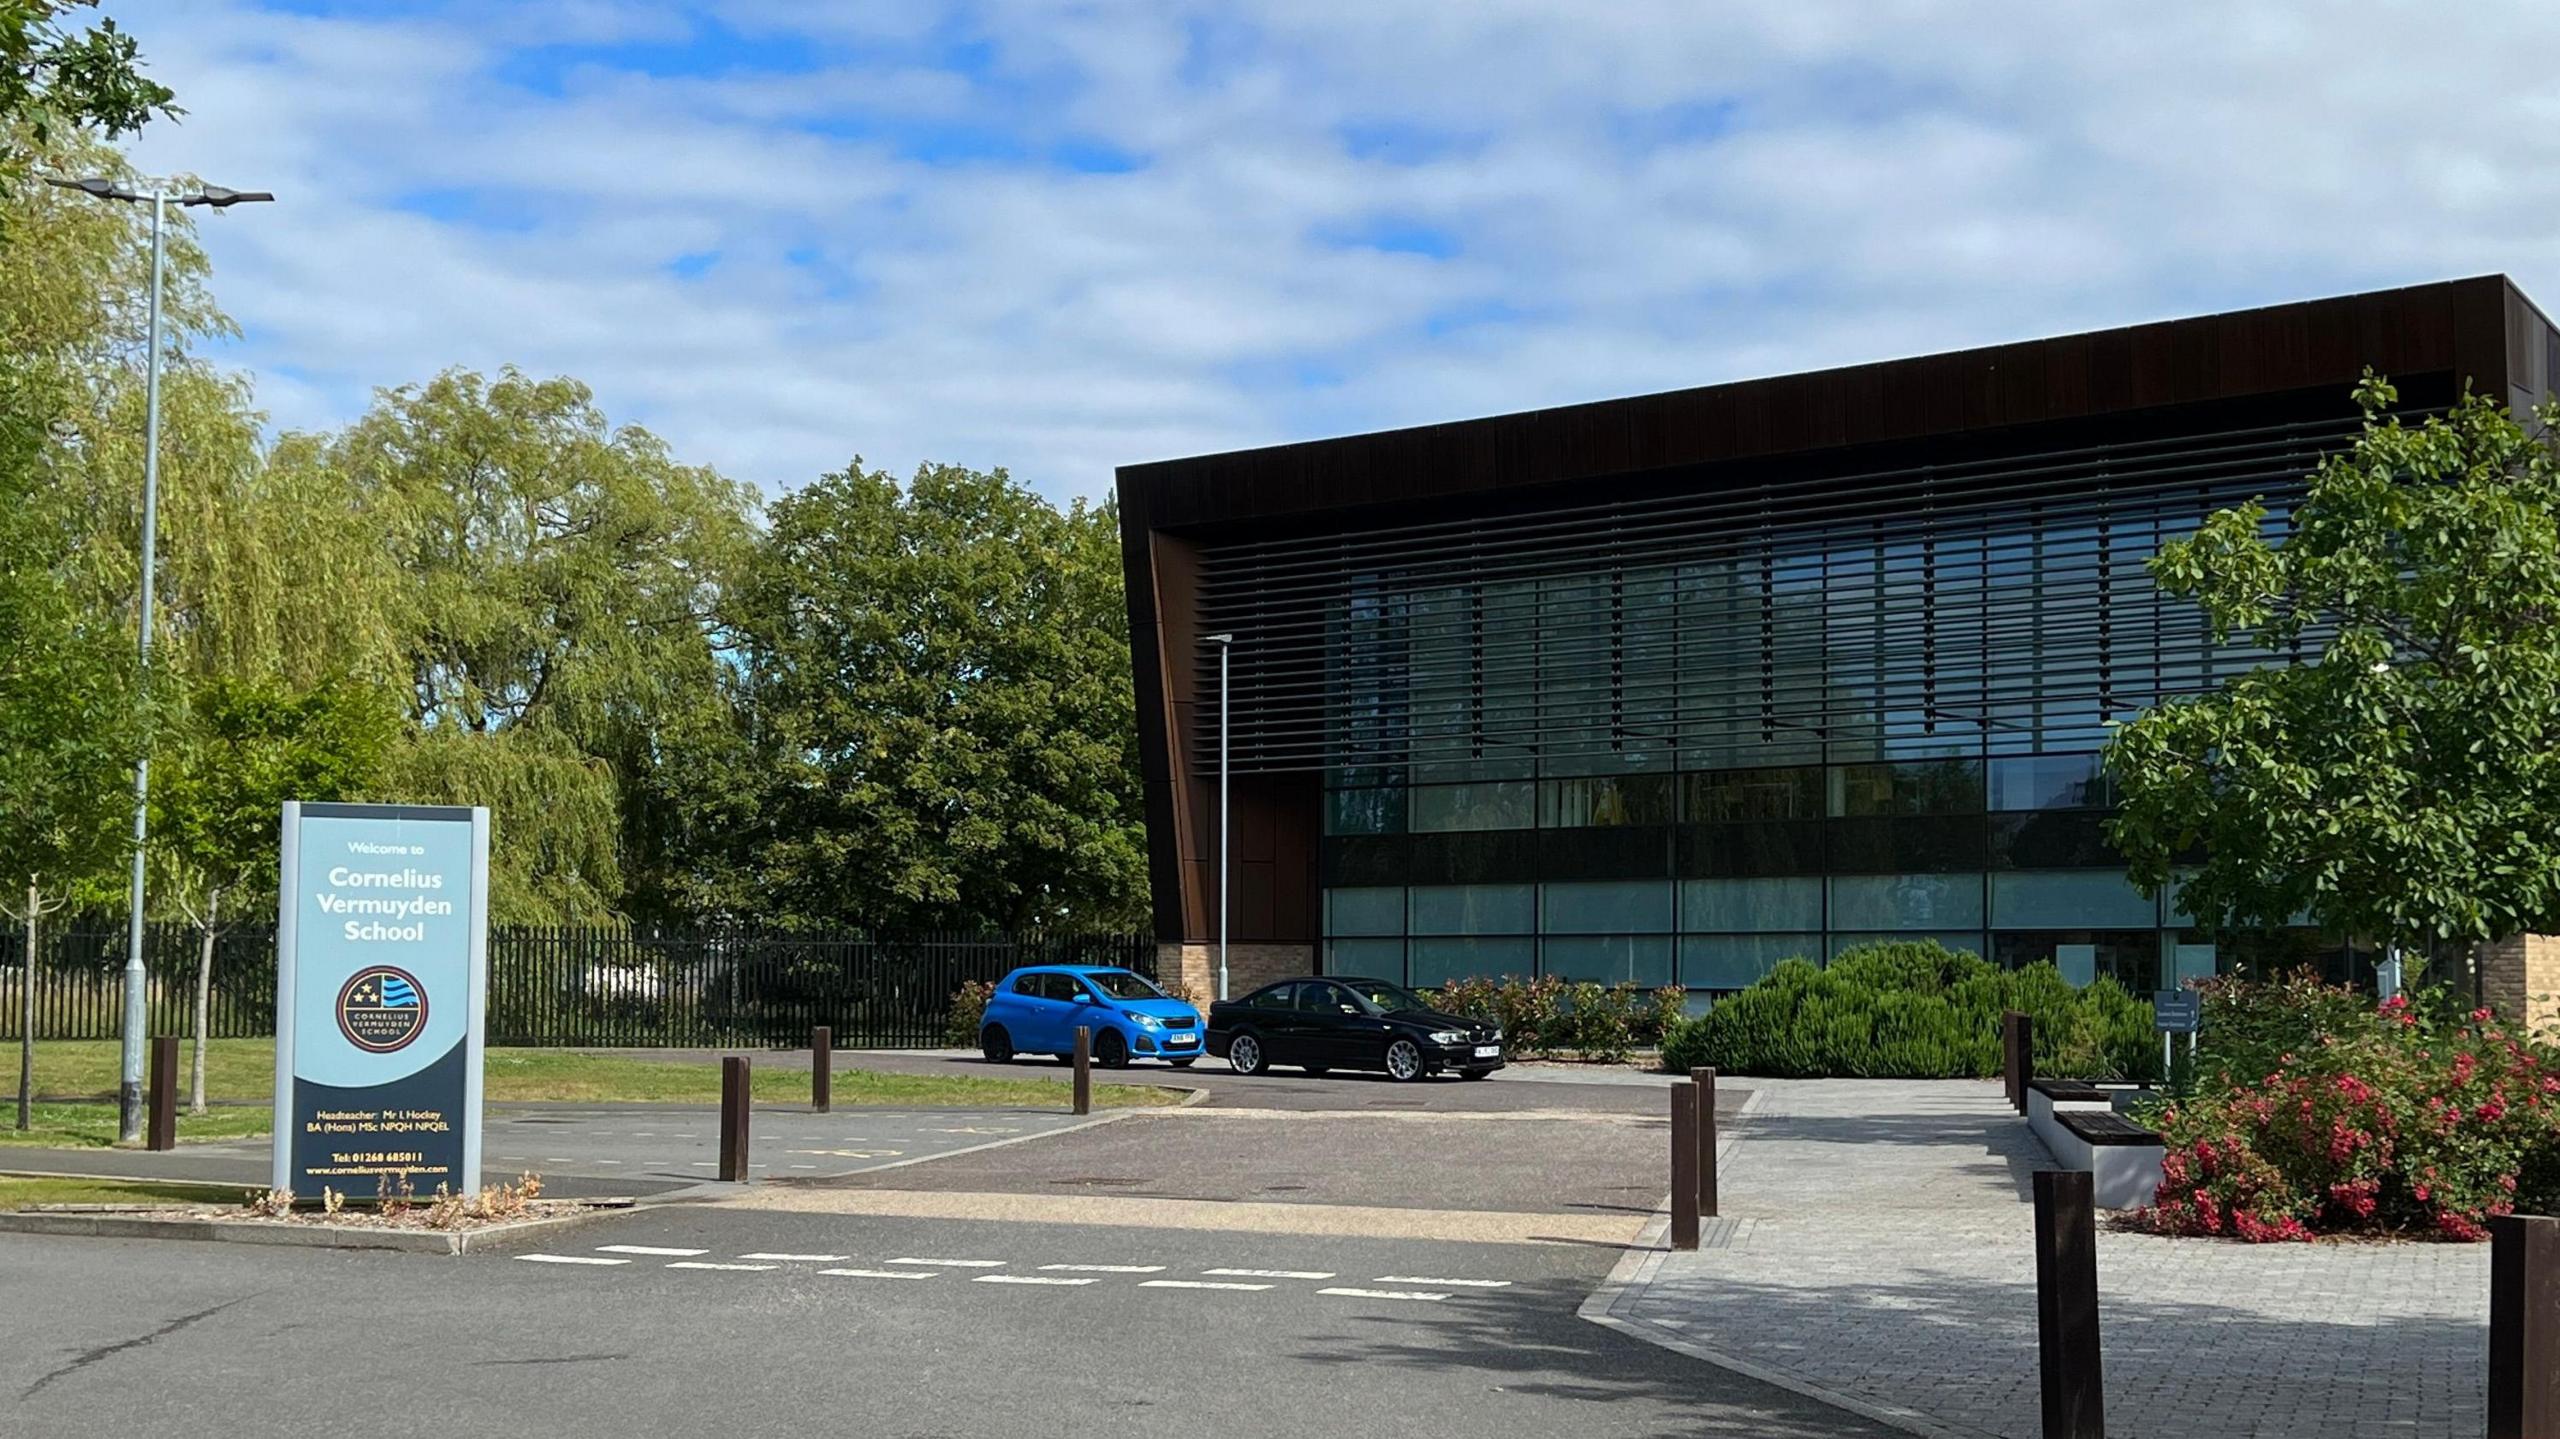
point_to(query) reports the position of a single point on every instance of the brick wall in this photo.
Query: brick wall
(2520, 978)
(1192, 969)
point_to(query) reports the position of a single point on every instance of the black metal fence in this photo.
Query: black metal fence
(596, 987)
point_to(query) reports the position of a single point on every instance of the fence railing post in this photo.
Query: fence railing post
(1684, 1165)
(2075, 1402)
(2524, 1327)
(734, 1099)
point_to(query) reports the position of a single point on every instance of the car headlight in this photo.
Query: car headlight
(1148, 1021)
(1448, 1036)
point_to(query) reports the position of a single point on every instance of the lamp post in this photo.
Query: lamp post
(1225, 643)
(160, 196)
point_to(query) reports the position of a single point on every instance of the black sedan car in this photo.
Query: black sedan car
(1336, 1023)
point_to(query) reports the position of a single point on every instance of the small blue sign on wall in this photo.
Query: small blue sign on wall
(382, 966)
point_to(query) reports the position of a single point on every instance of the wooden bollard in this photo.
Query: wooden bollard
(2075, 1397)
(1704, 1077)
(163, 1130)
(1684, 1165)
(2524, 1327)
(2026, 1058)
(1084, 1070)
(734, 1093)
(822, 1064)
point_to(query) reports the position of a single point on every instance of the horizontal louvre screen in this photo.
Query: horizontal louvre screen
(1989, 607)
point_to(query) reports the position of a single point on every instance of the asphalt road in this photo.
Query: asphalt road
(139, 1338)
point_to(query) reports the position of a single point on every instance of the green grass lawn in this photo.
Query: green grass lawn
(21, 1193)
(244, 1070)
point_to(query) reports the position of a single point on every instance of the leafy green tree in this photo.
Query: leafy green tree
(560, 582)
(56, 77)
(936, 686)
(2400, 781)
(239, 750)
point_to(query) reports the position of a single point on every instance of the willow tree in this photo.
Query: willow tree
(559, 584)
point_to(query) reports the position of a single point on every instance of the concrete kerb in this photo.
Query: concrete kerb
(416, 1241)
(305, 1236)
(1640, 1265)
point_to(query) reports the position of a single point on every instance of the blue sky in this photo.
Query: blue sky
(1058, 236)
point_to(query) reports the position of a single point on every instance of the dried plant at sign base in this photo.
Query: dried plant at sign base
(331, 1201)
(394, 1192)
(270, 1203)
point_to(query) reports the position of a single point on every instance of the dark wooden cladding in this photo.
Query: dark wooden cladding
(2212, 372)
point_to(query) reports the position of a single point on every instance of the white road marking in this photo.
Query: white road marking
(557, 1159)
(951, 1263)
(1026, 1279)
(1272, 1273)
(567, 1259)
(1107, 1268)
(1385, 1294)
(1195, 1284)
(797, 1258)
(804, 1166)
(649, 1249)
(608, 1161)
(882, 1273)
(699, 1264)
(1450, 1283)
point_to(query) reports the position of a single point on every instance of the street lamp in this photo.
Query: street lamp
(136, 997)
(1225, 644)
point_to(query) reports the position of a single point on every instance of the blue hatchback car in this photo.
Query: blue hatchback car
(1037, 1010)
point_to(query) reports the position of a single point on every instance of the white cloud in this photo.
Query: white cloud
(1636, 196)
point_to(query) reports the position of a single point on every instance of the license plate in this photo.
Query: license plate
(1179, 1039)
(1488, 1051)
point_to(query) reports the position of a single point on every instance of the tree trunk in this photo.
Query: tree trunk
(27, 1019)
(204, 999)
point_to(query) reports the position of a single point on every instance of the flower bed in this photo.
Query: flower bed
(2318, 1112)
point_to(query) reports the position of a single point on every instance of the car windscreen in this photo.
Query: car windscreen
(1121, 984)
(1388, 997)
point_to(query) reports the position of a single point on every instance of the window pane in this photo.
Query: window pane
(1364, 911)
(1605, 800)
(1906, 901)
(1952, 786)
(2069, 899)
(1751, 904)
(2074, 781)
(1475, 909)
(1367, 958)
(1494, 804)
(1643, 959)
(2131, 957)
(1969, 941)
(1753, 794)
(1364, 811)
(1733, 961)
(1437, 961)
(1641, 906)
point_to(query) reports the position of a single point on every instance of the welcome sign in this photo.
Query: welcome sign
(382, 966)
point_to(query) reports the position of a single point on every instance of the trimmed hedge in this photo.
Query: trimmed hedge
(1605, 1024)
(1915, 1011)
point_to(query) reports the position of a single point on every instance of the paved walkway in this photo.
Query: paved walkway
(1876, 1250)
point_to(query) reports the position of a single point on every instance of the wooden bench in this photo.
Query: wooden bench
(2047, 1098)
(2122, 1157)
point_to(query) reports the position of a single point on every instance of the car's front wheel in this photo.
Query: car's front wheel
(1404, 1060)
(1111, 1051)
(1244, 1054)
(995, 1044)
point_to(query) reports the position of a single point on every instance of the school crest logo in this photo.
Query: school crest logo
(382, 1008)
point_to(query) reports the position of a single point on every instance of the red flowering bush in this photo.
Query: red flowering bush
(2402, 1121)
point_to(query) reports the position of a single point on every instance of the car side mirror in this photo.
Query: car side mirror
(1350, 1009)
(1083, 998)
